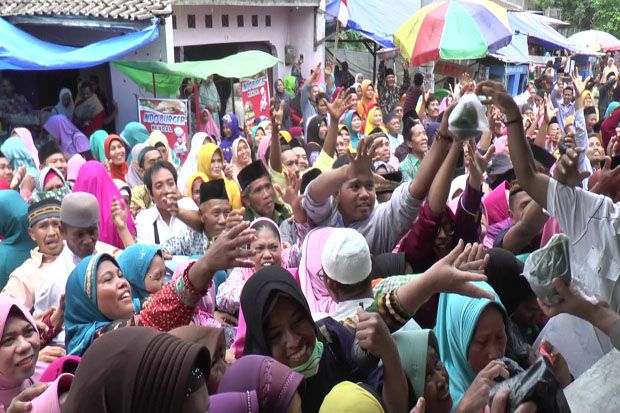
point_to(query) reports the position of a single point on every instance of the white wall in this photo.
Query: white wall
(124, 90)
(289, 26)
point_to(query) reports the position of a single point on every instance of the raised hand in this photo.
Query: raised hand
(443, 131)
(454, 272)
(558, 362)
(579, 85)
(316, 73)
(290, 194)
(567, 168)
(119, 213)
(361, 164)
(235, 217)
(58, 316)
(342, 103)
(228, 249)
(497, 95)
(277, 114)
(608, 181)
(228, 171)
(17, 177)
(478, 164)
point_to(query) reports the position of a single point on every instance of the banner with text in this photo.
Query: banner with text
(170, 117)
(255, 92)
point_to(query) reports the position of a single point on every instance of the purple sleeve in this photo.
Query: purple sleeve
(468, 215)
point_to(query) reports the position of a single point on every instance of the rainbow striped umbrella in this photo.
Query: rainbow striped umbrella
(454, 30)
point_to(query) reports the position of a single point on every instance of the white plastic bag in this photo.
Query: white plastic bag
(468, 119)
(547, 263)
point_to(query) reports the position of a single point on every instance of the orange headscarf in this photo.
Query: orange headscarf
(116, 171)
(364, 106)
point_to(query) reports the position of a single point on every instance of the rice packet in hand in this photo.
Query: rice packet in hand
(547, 263)
(468, 119)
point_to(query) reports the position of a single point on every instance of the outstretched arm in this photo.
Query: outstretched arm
(534, 182)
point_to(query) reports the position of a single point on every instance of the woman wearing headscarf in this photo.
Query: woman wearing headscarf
(235, 402)
(50, 179)
(588, 101)
(26, 137)
(133, 176)
(95, 180)
(347, 397)
(144, 268)
(313, 287)
(428, 378)
(208, 125)
(472, 338)
(193, 186)
(290, 83)
(17, 154)
(190, 166)
(353, 122)
(275, 383)
(20, 349)
(139, 369)
(317, 131)
(374, 121)
(99, 297)
(133, 134)
(16, 244)
(116, 157)
(65, 104)
(281, 95)
(242, 157)
(230, 132)
(159, 141)
(97, 145)
(213, 339)
(73, 167)
(368, 100)
(70, 138)
(278, 314)
(211, 163)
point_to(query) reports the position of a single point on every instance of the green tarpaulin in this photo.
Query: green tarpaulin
(168, 76)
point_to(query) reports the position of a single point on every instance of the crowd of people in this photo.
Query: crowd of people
(348, 253)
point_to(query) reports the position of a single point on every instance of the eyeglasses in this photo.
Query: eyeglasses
(448, 229)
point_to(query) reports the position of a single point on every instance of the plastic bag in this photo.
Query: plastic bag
(537, 384)
(547, 263)
(468, 119)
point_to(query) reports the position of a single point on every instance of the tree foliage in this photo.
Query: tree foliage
(587, 14)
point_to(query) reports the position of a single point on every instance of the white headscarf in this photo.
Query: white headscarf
(61, 109)
(191, 162)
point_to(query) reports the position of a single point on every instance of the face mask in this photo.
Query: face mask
(311, 367)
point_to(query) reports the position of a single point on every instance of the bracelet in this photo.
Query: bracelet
(518, 119)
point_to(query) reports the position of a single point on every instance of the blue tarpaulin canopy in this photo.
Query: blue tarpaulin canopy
(22, 51)
(377, 20)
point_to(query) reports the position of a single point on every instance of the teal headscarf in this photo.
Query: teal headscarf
(612, 106)
(82, 316)
(355, 136)
(133, 134)
(413, 351)
(97, 144)
(17, 154)
(16, 245)
(134, 263)
(457, 317)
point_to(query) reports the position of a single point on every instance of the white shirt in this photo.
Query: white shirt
(349, 308)
(147, 217)
(592, 222)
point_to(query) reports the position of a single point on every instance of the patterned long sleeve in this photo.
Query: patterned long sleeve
(229, 292)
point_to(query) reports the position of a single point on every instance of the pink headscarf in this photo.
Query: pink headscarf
(94, 179)
(25, 136)
(210, 127)
(239, 343)
(9, 386)
(262, 149)
(74, 165)
(312, 286)
(496, 203)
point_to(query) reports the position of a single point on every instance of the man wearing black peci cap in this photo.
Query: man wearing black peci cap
(214, 209)
(258, 194)
(50, 154)
(389, 91)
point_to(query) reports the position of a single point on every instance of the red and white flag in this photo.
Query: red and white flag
(343, 13)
